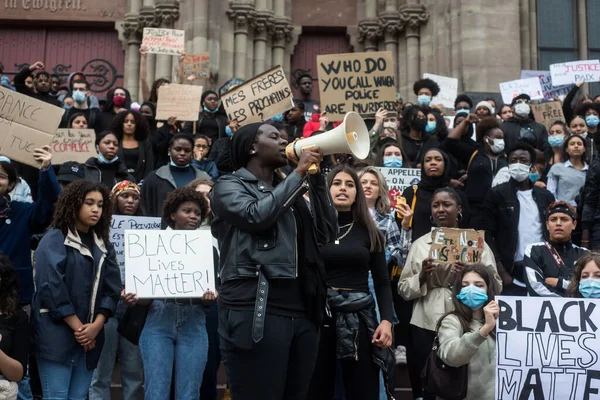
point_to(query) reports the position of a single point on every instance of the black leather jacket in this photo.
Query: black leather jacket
(256, 227)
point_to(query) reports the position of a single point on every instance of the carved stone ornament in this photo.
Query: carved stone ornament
(262, 21)
(132, 30)
(241, 14)
(414, 15)
(282, 29)
(147, 18)
(167, 12)
(369, 29)
(391, 23)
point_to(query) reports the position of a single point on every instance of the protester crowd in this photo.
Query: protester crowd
(323, 284)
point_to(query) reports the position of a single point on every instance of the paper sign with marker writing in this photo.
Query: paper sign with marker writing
(196, 65)
(121, 223)
(549, 90)
(547, 348)
(360, 82)
(181, 101)
(398, 179)
(73, 145)
(448, 90)
(25, 124)
(548, 113)
(575, 71)
(169, 264)
(260, 98)
(512, 89)
(164, 41)
(457, 245)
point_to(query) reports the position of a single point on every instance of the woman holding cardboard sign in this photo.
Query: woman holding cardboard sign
(428, 282)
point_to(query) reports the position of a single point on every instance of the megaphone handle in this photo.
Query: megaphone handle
(314, 168)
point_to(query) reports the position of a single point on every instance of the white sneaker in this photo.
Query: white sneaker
(400, 354)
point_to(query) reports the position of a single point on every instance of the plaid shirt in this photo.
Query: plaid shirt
(397, 241)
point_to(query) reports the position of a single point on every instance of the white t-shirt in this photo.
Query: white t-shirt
(530, 226)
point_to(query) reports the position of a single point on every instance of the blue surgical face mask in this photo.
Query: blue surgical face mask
(534, 176)
(79, 97)
(392, 162)
(228, 131)
(556, 140)
(208, 110)
(430, 128)
(104, 160)
(277, 118)
(424, 100)
(172, 164)
(472, 297)
(463, 110)
(592, 120)
(590, 288)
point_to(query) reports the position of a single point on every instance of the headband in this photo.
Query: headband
(561, 209)
(124, 186)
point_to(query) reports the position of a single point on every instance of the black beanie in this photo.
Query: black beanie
(241, 144)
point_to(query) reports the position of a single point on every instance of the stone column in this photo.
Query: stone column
(413, 15)
(281, 32)
(392, 26)
(241, 14)
(262, 22)
(525, 34)
(533, 44)
(200, 26)
(147, 19)
(133, 35)
(167, 12)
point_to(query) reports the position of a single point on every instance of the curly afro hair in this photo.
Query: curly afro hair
(465, 98)
(485, 126)
(142, 129)
(70, 201)
(179, 196)
(584, 108)
(426, 83)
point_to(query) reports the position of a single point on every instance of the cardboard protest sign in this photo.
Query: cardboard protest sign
(512, 89)
(73, 145)
(119, 224)
(548, 113)
(259, 98)
(196, 66)
(448, 90)
(457, 245)
(25, 124)
(169, 264)
(164, 41)
(548, 89)
(360, 82)
(575, 71)
(547, 348)
(398, 179)
(181, 101)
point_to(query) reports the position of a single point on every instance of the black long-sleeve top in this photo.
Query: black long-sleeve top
(347, 264)
(15, 337)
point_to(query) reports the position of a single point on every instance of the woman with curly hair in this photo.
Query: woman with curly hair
(174, 339)
(425, 89)
(135, 148)
(78, 285)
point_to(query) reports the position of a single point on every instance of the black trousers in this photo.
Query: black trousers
(404, 337)
(208, 390)
(278, 367)
(361, 378)
(423, 342)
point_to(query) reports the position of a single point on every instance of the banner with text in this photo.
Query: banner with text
(457, 245)
(398, 179)
(548, 113)
(181, 101)
(164, 41)
(360, 82)
(547, 348)
(512, 89)
(196, 66)
(73, 145)
(448, 90)
(260, 98)
(546, 81)
(169, 264)
(119, 224)
(575, 71)
(25, 124)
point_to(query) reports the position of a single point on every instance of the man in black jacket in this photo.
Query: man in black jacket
(41, 83)
(522, 127)
(549, 265)
(512, 218)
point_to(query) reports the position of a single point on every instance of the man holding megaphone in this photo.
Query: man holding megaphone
(272, 294)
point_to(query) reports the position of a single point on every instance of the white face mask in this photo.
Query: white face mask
(390, 124)
(522, 109)
(583, 135)
(497, 145)
(519, 172)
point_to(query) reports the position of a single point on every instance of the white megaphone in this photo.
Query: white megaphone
(350, 137)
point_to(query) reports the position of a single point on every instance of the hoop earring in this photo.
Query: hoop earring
(459, 217)
(252, 152)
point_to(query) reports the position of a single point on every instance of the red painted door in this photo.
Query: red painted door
(312, 44)
(97, 52)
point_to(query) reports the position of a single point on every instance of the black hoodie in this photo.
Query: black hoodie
(22, 88)
(108, 174)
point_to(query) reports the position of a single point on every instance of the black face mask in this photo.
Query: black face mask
(418, 124)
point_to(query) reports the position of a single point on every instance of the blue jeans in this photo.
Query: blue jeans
(174, 338)
(24, 388)
(130, 362)
(208, 390)
(62, 380)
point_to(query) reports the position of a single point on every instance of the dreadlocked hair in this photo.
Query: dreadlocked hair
(70, 202)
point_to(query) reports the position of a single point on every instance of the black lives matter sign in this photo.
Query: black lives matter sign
(359, 82)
